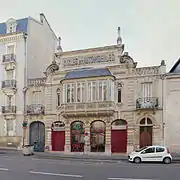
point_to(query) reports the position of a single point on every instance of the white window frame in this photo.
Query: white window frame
(10, 44)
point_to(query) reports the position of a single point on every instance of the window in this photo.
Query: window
(68, 93)
(89, 91)
(10, 49)
(73, 93)
(147, 89)
(93, 91)
(9, 75)
(78, 92)
(100, 91)
(58, 96)
(36, 97)
(83, 92)
(10, 127)
(104, 91)
(119, 95)
(159, 149)
(149, 150)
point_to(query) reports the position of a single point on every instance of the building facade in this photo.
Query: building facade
(96, 100)
(171, 109)
(25, 44)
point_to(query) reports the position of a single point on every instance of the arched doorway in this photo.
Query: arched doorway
(58, 136)
(146, 128)
(119, 136)
(37, 136)
(98, 136)
(77, 136)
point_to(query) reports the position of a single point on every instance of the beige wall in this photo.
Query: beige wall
(172, 124)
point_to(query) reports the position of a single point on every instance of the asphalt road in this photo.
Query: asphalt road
(16, 167)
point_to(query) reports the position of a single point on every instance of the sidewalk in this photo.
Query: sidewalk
(81, 156)
(90, 157)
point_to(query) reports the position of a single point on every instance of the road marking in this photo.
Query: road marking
(129, 179)
(54, 174)
(4, 169)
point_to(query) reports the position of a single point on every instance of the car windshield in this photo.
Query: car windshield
(138, 150)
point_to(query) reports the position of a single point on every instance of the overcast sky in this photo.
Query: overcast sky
(150, 28)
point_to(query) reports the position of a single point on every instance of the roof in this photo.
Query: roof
(84, 73)
(176, 67)
(21, 26)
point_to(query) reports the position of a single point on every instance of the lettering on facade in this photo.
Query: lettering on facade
(84, 60)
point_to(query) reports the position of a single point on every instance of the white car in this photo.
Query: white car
(151, 154)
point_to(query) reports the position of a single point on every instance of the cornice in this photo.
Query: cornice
(12, 37)
(104, 48)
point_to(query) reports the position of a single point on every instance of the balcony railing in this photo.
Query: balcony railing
(8, 109)
(35, 109)
(9, 84)
(9, 58)
(147, 103)
(88, 107)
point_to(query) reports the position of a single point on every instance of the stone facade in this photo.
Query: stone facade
(133, 95)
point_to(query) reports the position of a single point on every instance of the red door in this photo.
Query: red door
(119, 141)
(58, 140)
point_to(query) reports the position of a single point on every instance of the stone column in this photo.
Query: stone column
(130, 139)
(108, 139)
(67, 147)
(87, 147)
(48, 141)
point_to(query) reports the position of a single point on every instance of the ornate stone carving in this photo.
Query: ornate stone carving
(147, 70)
(125, 58)
(52, 68)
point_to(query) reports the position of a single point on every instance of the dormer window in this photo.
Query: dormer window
(11, 26)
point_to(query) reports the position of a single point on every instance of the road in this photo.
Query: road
(18, 167)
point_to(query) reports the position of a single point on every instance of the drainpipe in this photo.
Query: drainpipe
(25, 85)
(163, 110)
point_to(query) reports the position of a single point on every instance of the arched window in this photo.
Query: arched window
(58, 97)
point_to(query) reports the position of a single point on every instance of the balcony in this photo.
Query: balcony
(8, 109)
(11, 84)
(106, 108)
(35, 109)
(9, 60)
(147, 103)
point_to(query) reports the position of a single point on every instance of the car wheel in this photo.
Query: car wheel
(137, 160)
(167, 160)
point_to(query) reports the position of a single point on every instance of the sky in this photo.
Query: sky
(149, 28)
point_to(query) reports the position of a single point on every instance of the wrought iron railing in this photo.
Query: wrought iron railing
(9, 58)
(8, 109)
(147, 103)
(35, 109)
(9, 84)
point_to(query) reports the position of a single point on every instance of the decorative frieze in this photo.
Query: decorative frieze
(147, 70)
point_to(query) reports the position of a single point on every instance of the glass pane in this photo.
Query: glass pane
(119, 122)
(68, 93)
(89, 91)
(78, 92)
(149, 121)
(143, 121)
(100, 91)
(83, 93)
(105, 91)
(94, 91)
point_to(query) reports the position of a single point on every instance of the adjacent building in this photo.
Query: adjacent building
(26, 47)
(96, 100)
(172, 107)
